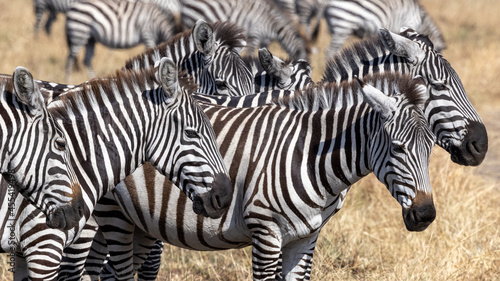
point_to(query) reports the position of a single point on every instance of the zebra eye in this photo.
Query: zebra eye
(192, 133)
(221, 85)
(439, 86)
(60, 144)
(398, 147)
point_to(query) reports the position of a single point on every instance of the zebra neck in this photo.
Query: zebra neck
(107, 128)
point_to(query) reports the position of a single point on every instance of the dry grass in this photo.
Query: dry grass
(367, 240)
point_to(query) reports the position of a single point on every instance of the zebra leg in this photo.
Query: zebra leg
(297, 258)
(43, 261)
(50, 20)
(118, 230)
(266, 254)
(75, 255)
(96, 257)
(150, 267)
(89, 54)
(21, 267)
(39, 10)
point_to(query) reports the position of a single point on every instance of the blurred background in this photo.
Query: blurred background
(367, 239)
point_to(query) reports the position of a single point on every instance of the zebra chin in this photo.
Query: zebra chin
(66, 217)
(473, 148)
(421, 214)
(216, 202)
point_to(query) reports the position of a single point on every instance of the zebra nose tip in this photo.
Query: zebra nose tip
(474, 146)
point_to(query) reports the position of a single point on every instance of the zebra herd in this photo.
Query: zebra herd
(261, 155)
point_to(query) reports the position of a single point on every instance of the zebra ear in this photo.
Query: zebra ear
(274, 66)
(26, 89)
(377, 100)
(204, 38)
(401, 46)
(168, 76)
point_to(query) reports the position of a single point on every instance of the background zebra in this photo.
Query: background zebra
(115, 24)
(261, 20)
(453, 119)
(282, 207)
(35, 167)
(53, 7)
(209, 54)
(365, 17)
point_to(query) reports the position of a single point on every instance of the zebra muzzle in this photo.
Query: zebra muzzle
(421, 214)
(215, 202)
(66, 217)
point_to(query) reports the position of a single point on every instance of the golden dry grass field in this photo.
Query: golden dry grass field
(367, 239)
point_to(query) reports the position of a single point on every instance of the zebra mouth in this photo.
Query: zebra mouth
(66, 217)
(420, 215)
(216, 202)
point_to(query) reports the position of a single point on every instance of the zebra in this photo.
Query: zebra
(115, 24)
(453, 119)
(35, 167)
(303, 11)
(364, 17)
(334, 134)
(272, 73)
(210, 55)
(113, 125)
(53, 7)
(262, 21)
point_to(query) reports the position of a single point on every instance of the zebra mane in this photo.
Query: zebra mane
(226, 33)
(325, 96)
(91, 92)
(348, 60)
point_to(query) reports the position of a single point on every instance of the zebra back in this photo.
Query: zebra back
(453, 119)
(262, 21)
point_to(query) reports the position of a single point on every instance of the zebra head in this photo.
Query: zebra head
(190, 153)
(400, 149)
(453, 119)
(224, 72)
(34, 155)
(289, 76)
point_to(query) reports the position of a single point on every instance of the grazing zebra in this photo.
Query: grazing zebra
(364, 17)
(116, 123)
(272, 73)
(115, 24)
(303, 11)
(209, 53)
(292, 163)
(453, 119)
(262, 21)
(35, 167)
(53, 7)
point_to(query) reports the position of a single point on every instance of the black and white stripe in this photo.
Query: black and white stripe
(262, 21)
(365, 17)
(37, 175)
(113, 125)
(209, 54)
(272, 73)
(292, 163)
(452, 118)
(53, 7)
(115, 24)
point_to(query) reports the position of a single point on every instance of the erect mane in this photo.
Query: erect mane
(351, 57)
(89, 93)
(325, 96)
(226, 33)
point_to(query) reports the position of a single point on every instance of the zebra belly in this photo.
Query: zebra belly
(170, 216)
